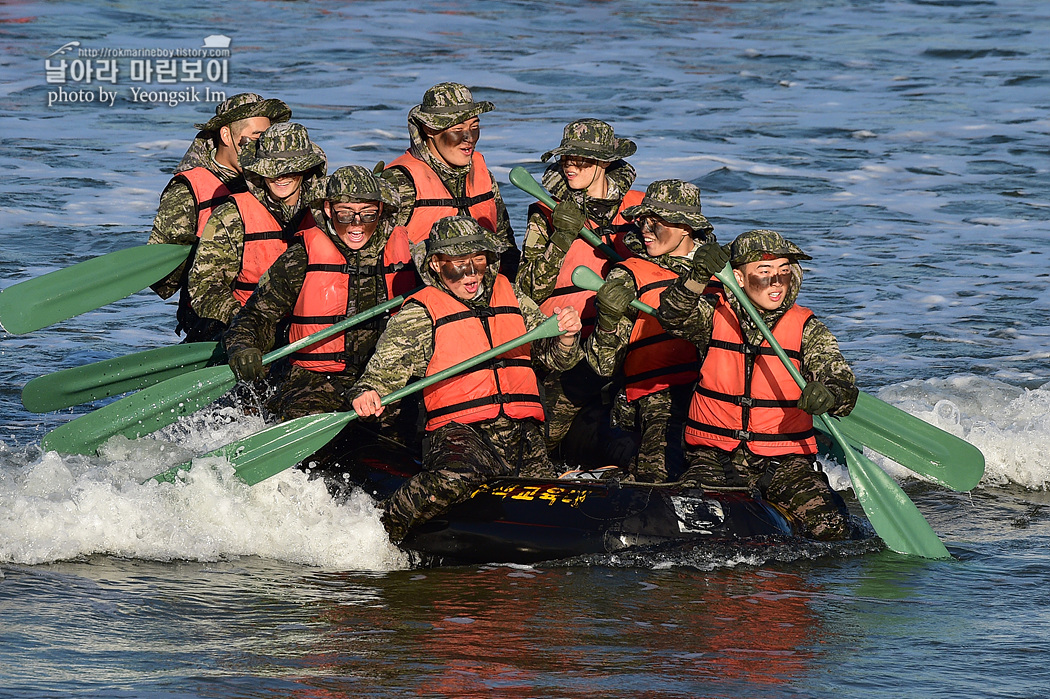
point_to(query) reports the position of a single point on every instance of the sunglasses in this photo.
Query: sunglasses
(346, 218)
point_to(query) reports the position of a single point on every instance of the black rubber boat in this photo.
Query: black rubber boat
(521, 520)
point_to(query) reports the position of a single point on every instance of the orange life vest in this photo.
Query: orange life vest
(208, 191)
(746, 395)
(654, 360)
(325, 296)
(506, 385)
(583, 253)
(434, 202)
(264, 241)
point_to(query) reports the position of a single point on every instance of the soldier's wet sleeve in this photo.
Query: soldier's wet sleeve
(548, 351)
(403, 351)
(256, 324)
(541, 260)
(407, 191)
(686, 313)
(175, 224)
(216, 265)
(823, 361)
(605, 351)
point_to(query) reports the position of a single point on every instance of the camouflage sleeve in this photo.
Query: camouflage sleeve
(540, 261)
(273, 300)
(404, 350)
(406, 189)
(685, 312)
(549, 351)
(510, 259)
(216, 265)
(823, 361)
(603, 350)
(175, 223)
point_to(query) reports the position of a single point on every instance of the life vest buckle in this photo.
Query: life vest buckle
(743, 435)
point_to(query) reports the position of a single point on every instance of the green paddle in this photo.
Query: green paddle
(883, 428)
(158, 406)
(523, 180)
(894, 517)
(273, 450)
(85, 286)
(111, 377)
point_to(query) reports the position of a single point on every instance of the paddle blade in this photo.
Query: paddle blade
(111, 377)
(141, 413)
(275, 449)
(85, 286)
(893, 515)
(914, 443)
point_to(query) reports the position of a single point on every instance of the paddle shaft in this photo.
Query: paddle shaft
(523, 180)
(280, 447)
(336, 328)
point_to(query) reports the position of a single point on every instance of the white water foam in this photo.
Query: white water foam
(56, 507)
(1009, 424)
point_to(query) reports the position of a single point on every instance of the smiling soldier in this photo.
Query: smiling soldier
(749, 423)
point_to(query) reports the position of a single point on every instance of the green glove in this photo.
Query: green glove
(708, 259)
(247, 364)
(567, 220)
(816, 399)
(613, 299)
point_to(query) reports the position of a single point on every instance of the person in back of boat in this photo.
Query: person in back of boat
(352, 258)
(207, 174)
(592, 183)
(442, 173)
(653, 371)
(749, 423)
(487, 421)
(247, 232)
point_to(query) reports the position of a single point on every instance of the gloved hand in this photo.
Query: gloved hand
(567, 220)
(613, 299)
(708, 259)
(379, 167)
(247, 364)
(816, 399)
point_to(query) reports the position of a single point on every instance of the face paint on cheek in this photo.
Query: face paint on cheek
(757, 281)
(451, 139)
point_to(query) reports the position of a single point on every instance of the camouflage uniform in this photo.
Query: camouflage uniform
(218, 259)
(176, 219)
(449, 96)
(565, 395)
(659, 416)
(303, 391)
(458, 457)
(792, 481)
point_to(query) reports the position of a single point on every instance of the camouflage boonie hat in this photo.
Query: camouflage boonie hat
(354, 183)
(763, 244)
(245, 106)
(461, 235)
(282, 149)
(674, 201)
(447, 104)
(592, 138)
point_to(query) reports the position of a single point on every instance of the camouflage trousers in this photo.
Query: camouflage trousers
(792, 482)
(458, 459)
(565, 394)
(660, 419)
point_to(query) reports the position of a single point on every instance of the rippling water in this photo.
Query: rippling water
(902, 144)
